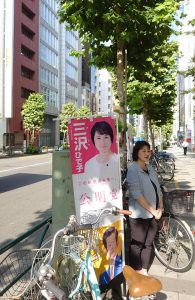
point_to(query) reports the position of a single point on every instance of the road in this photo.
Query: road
(25, 193)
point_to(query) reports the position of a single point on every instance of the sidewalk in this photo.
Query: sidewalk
(178, 286)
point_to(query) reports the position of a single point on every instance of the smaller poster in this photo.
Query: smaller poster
(97, 185)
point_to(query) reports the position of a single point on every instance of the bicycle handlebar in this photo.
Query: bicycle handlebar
(121, 211)
(73, 226)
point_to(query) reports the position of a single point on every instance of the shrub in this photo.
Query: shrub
(32, 150)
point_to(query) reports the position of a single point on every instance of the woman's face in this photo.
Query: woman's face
(102, 142)
(144, 154)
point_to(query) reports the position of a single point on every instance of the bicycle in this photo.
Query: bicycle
(165, 169)
(75, 271)
(174, 242)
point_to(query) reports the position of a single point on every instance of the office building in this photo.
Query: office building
(34, 51)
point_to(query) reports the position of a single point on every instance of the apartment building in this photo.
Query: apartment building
(104, 92)
(185, 110)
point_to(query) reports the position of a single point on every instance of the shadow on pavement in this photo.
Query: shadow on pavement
(161, 296)
(12, 182)
(31, 241)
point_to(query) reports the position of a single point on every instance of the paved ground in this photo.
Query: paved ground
(178, 286)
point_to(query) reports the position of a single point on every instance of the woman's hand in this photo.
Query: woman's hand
(157, 213)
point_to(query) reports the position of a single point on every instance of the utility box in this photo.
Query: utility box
(63, 204)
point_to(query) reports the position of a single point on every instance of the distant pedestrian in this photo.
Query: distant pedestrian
(185, 147)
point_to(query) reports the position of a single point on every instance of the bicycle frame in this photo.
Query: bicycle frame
(88, 270)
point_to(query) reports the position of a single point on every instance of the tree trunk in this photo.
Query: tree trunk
(145, 115)
(121, 95)
(151, 134)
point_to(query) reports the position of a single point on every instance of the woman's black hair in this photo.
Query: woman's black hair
(102, 128)
(139, 145)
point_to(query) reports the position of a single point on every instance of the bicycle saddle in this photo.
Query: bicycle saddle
(140, 285)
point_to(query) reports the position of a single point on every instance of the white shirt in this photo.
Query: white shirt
(95, 169)
(185, 144)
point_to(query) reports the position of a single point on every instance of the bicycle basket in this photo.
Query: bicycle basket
(179, 201)
(73, 246)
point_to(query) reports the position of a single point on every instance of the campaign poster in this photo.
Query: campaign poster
(96, 176)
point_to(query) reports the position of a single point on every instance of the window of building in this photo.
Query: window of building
(50, 96)
(27, 73)
(27, 32)
(71, 90)
(27, 12)
(25, 93)
(48, 56)
(27, 52)
(71, 71)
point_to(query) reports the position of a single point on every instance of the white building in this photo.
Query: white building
(104, 92)
(185, 112)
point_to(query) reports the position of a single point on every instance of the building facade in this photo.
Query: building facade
(34, 51)
(20, 63)
(104, 92)
(185, 111)
(49, 69)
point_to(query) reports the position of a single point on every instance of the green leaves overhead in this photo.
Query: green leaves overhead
(141, 27)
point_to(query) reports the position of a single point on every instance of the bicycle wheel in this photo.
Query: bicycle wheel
(174, 245)
(41, 256)
(68, 273)
(166, 170)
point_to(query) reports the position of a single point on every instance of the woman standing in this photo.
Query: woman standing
(145, 202)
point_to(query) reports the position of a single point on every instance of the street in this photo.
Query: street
(25, 193)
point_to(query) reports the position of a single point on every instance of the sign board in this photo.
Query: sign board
(96, 176)
(188, 135)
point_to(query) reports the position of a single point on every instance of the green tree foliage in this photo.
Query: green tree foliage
(112, 27)
(69, 110)
(152, 92)
(33, 114)
(191, 69)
